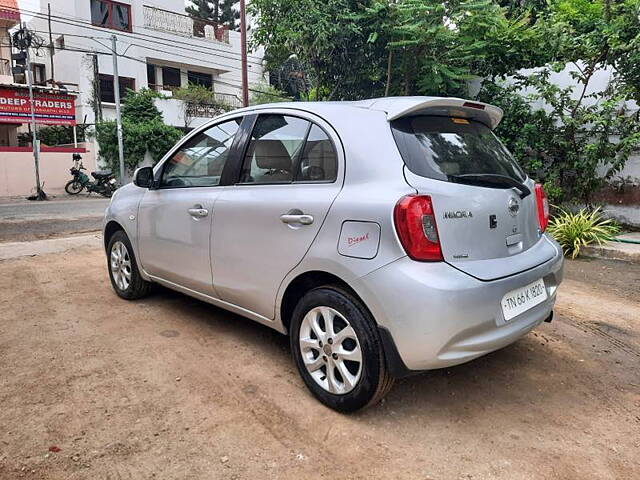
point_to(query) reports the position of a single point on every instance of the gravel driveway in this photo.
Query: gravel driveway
(93, 387)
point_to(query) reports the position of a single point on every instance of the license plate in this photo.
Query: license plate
(522, 299)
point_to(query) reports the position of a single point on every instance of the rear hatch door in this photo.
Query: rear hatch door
(484, 204)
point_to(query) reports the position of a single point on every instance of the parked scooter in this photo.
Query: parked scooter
(104, 184)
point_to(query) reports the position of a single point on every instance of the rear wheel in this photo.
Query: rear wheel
(337, 350)
(123, 270)
(106, 192)
(73, 187)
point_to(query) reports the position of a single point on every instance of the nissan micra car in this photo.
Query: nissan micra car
(385, 236)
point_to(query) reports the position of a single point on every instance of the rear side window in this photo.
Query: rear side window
(276, 143)
(443, 148)
(319, 162)
(286, 149)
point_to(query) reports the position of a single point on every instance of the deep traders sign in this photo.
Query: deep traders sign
(50, 108)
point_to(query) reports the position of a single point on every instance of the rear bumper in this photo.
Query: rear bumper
(432, 316)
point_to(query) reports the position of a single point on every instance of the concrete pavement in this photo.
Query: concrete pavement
(626, 248)
(22, 220)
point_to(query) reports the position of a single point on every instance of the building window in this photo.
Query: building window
(39, 73)
(171, 77)
(106, 87)
(199, 78)
(151, 77)
(110, 14)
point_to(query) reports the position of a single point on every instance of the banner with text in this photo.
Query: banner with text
(50, 108)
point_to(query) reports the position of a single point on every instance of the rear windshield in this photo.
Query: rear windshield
(443, 148)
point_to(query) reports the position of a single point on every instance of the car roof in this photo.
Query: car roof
(398, 107)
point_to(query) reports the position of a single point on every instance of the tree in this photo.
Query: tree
(582, 137)
(204, 9)
(348, 49)
(330, 39)
(438, 47)
(229, 14)
(398, 47)
(219, 12)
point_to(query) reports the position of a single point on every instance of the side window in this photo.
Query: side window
(199, 162)
(276, 144)
(319, 162)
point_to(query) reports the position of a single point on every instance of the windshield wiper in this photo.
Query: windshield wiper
(491, 179)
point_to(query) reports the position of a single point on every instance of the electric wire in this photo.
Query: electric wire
(81, 23)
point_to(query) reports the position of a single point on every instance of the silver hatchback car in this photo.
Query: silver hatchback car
(385, 236)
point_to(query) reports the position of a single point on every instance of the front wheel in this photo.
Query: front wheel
(123, 270)
(336, 347)
(73, 187)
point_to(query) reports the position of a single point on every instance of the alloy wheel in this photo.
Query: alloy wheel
(330, 350)
(121, 265)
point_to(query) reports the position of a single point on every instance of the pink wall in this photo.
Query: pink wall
(17, 171)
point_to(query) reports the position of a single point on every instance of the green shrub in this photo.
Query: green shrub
(575, 230)
(140, 106)
(267, 94)
(194, 94)
(143, 131)
(54, 135)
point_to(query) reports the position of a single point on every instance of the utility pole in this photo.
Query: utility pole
(116, 94)
(52, 49)
(243, 47)
(40, 195)
(97, 106)
(23, 39)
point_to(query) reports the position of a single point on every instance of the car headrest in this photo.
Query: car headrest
(271, 154)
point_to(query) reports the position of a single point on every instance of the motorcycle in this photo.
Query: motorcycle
(104, 184)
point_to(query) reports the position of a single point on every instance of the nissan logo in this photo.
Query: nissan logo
(513, 206)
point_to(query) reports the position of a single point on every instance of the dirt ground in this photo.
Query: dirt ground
(172, 388)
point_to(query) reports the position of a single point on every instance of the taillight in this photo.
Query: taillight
(543, 207)
(417, 229)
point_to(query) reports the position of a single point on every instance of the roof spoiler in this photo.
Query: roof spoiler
(399, 107)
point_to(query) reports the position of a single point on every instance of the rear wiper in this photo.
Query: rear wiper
(491, 179)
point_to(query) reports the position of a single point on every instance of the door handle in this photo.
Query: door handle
(302, 219)
(198, 212)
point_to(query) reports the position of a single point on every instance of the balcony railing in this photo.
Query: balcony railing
(228, 99)
(5, 67)
(225, 102)
(184, 25)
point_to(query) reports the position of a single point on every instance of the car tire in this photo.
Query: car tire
(332, 373)
(123, 269)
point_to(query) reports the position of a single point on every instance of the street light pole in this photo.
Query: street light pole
(243, 47)
(116, 94)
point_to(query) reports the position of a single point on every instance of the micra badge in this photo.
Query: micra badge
(458, 214)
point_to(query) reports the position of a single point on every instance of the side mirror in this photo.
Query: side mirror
(143, 177)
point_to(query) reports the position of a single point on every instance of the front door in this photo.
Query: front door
(174, 219)
(265, 224)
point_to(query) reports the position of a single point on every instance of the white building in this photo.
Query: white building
(158, 46)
